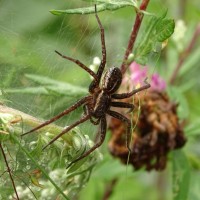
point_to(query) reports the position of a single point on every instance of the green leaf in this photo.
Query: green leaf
(158, 30)
(102, 6)
(194, 161)
(41, 79)
(38, 145)
(28, 90)
(147, 42)
(28, 154)
(58, 87)
(177, 96)
(181, 176)
(77, 165)
(50, 87)
(66, 89)
(193, 129)
(164, 29)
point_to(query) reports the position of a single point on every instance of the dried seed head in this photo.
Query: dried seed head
(158, 131)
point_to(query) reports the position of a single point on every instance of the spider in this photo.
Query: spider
(99, 101)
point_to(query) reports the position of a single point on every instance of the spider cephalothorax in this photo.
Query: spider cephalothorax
(100, 99)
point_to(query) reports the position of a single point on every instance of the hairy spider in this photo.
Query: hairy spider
(99, 101)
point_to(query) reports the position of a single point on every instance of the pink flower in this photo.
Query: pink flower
(157, 83)
(139, 73)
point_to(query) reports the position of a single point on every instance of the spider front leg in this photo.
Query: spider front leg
(103, 62)
(80, 64)
(102, 65)
(129, 94)
(102, 134)
(65, 112)
(127, 121)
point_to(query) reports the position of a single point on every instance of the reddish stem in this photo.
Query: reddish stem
(134, 33)
(185, 54)
(109, 189)
(9, 171)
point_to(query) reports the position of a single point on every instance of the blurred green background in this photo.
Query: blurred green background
(29, 34)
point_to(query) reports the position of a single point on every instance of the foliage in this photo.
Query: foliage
(158, 30)
(30, 162)
(37, 81)
(102, 5)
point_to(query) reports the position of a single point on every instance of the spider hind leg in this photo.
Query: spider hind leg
(127, 121)
(101, 134)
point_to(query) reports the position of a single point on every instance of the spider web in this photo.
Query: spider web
(29, 36)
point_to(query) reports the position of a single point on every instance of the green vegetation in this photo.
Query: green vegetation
(36, 81)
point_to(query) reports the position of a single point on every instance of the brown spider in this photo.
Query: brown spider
(97, 104)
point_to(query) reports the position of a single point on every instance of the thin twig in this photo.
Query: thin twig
(9, 171)
(185, 54)
(134, 33)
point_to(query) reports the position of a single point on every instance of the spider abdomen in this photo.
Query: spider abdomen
(102, 104)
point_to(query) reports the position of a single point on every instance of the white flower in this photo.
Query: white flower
(179, 34)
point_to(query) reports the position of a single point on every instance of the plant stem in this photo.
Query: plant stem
(134, 33)
(9, 171)
(28, 119)
(185, 54)
(33, 122)
(109, 189)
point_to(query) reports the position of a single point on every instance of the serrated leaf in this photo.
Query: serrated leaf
(158, 30)
(104, 5)
(146, 43)
(164, 29)
(181, 176)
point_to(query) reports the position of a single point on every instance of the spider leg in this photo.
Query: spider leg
(65, 112)
(101, 134)
(67, 129)
(127, 121)
(123, 105)
(99, 73)
(80, 64)
(129, 94)
(103, 62)
(86, 112)
(9, 171)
